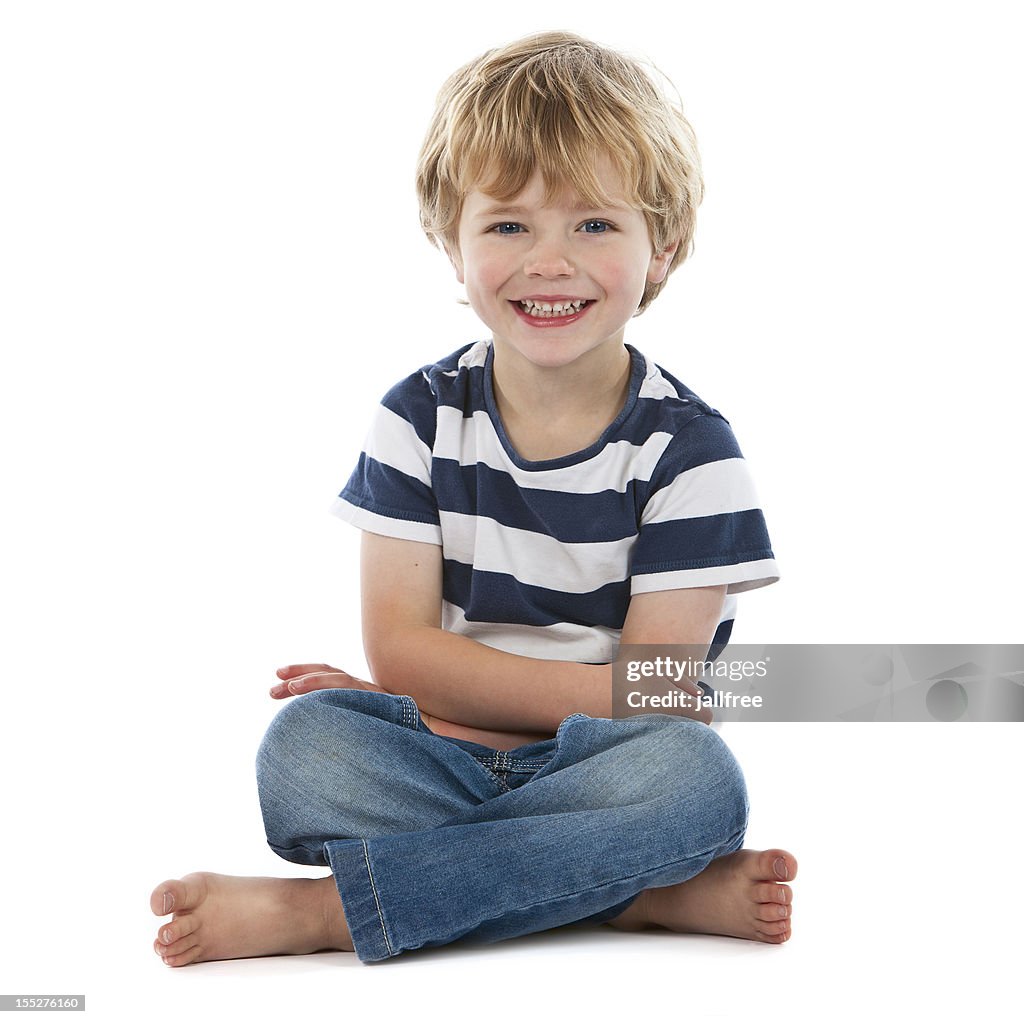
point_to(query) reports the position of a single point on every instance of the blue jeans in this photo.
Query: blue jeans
(431, 840)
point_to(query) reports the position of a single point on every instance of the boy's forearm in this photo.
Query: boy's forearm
(461, 680)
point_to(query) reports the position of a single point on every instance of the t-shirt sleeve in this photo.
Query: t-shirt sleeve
(390, 490)
(701, 523)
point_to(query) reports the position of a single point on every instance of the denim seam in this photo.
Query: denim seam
(410, 713)
(499, 767)
(376, 898)
(565, 722)
(510, 764)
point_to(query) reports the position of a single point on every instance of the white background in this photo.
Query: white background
(211, 270)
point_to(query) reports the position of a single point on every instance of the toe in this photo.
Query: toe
(771, 912)
(181, 927)
(181, 959)
(773, 931)
(777, 864)
(156, 899)
(176, 948)
(177, 894)
(772, 892)
(167, 897)
(177, 937)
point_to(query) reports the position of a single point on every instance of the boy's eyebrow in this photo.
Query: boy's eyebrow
(580, 206)
(512, 211)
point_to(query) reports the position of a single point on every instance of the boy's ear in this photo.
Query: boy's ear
(657, 271)
(456, 262)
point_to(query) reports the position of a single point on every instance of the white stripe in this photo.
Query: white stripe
(654, 385)
(476, 355)
(534, 559)
(473, 441)
(393, 441)
(745, 576)
(708, 490)
(404, 529)
(565, 641)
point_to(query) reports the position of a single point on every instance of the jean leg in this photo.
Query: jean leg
(353, 763)
(621, 806)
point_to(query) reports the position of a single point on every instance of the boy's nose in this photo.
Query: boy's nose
(548, 259)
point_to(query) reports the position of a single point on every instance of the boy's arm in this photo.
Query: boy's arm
(460, 680)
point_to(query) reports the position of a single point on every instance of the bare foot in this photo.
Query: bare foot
(739, 894)
(224, 917)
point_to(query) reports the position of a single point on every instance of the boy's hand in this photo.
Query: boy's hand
(296, 679)
(306, 678)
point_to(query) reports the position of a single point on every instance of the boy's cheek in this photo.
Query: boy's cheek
(456, 261)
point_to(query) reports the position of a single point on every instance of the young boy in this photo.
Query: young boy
(528, 503)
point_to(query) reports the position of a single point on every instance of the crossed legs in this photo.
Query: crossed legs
(636, 823)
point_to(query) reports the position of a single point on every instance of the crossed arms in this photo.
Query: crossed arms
(465, 688)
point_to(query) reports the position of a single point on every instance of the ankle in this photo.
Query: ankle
(333, 926)
(636, 916)
(645, 908)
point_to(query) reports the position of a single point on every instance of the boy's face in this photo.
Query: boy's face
(519, 258)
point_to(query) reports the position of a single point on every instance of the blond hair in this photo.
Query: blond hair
(554, 102)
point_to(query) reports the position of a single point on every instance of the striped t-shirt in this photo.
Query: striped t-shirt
(540, 558)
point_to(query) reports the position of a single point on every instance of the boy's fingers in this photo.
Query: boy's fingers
(306, 678)
(290, 671)
(335, 680)
(319, 681)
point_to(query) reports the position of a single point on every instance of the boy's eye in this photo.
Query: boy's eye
(509, 228)
(596, 227)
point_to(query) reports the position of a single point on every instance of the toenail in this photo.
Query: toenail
(782, 895)
(168, 902)
(780, 867)
(167, 937)
(782, 911)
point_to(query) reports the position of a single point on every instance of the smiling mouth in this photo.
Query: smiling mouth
(538, 309)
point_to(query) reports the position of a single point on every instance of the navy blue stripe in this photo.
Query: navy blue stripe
(465, 392)
(499, 597)
(725, 539)
(719, 640)
(660, 415)
(383, 489)
(569, 518)
(412, 400)
(706, 439)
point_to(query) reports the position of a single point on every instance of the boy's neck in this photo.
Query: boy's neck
(547, 409)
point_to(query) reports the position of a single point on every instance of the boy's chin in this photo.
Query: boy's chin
(553, 353)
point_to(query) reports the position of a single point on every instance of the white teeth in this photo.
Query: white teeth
(565, 308)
